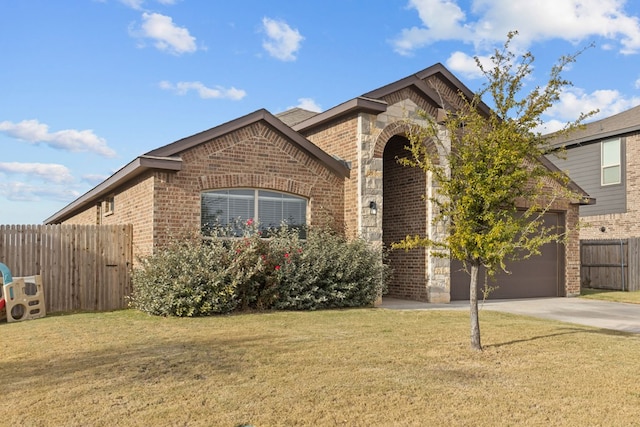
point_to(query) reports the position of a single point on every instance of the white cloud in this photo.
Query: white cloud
(166, 35)
(461, 63)
(442, 20)
(283, 42)
(137, 4)
(48, 172)
(575, 101)
(181, 88)
(133, 4)
(637, 84)
(491, 20)
(23, 192)
(307, 104)
(94, 179)
(34, 132)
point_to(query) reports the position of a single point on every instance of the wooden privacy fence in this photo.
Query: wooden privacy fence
(83, 267)
(610, 264)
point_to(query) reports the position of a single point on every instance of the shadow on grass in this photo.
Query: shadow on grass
(149, 362)
(566, 331)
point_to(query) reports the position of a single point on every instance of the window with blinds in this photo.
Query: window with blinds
(232, 208)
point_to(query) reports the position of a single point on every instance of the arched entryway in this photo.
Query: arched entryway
(404, 213)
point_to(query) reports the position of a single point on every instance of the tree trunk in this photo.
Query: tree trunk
(473, 304)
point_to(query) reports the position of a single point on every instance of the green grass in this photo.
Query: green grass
(367, 367)
(607, 295)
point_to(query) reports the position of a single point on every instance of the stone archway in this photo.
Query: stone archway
(418, 274)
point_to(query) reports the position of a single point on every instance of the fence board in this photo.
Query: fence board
(82, 267)
(634, 265)
(610, 264)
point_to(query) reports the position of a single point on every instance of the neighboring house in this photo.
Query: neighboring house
(604, 159)
(336, 168)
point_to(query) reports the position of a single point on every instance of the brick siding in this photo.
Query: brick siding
(404, 213)
(340, 139)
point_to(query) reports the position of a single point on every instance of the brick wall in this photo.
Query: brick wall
(404, 213)
(572, 252)
(620, 225)
(89, 216)
(133, 204)
(340, 138)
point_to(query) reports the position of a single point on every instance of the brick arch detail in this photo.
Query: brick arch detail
(286, 185)
(392, 129)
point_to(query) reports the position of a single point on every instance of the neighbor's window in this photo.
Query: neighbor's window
(234, 207)
(109, 205)
(611, 164)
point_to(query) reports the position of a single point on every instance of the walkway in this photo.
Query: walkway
(600, 314)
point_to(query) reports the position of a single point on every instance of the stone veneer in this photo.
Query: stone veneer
(361, 140)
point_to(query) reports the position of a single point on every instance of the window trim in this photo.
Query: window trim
(109, 205)
(617, 164)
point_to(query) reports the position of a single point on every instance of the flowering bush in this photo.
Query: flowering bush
(196, 277)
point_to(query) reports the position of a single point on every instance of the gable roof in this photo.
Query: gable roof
(417, 81)
(619, 124)
(372, 101)
(168, 158)
(174, 149)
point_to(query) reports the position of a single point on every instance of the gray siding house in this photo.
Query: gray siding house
(603, 158)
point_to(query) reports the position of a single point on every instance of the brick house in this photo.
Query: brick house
(338, 167)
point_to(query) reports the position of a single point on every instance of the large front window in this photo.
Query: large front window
(610, 162)
(233, 207)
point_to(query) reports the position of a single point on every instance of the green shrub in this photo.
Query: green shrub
(219, 275)
(186, 278)
(327, 271)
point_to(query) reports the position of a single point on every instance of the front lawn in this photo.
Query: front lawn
(607, 295)
(358, 367)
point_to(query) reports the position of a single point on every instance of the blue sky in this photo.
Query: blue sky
(87, 87)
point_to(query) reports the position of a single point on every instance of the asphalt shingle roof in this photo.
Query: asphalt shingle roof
(295, 115)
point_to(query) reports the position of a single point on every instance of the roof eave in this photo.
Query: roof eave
(128, 172)
(569, 143)
(359, 104)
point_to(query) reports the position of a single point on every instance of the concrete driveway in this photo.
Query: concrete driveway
(600, 314)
